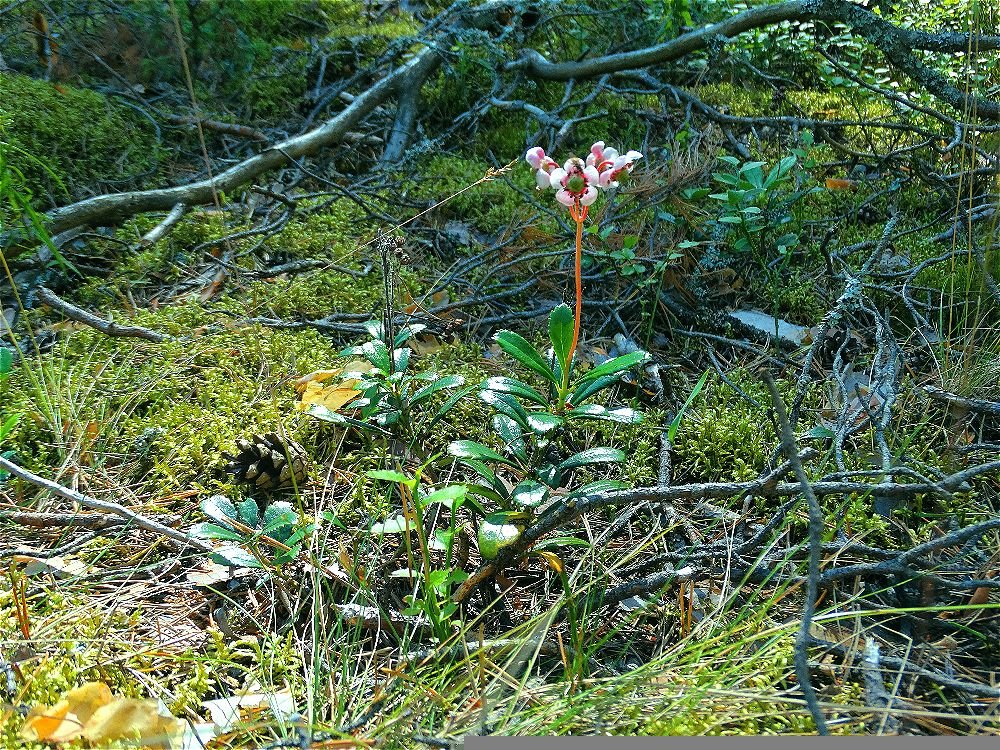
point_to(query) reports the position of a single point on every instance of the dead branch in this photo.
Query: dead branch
(895, 43)
(86, 501)
(108, 327)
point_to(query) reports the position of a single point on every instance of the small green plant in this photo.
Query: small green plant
(754, 206)
(266, 540)
(531, 424)
(433, 597)
(393, 402)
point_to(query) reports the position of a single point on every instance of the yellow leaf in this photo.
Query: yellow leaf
(836, 183)
(133, 719)
(65, 721)
(333, 397)
(551, 559)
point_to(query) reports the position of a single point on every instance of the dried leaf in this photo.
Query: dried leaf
(837, 183)
(91, 712)
(333, 397)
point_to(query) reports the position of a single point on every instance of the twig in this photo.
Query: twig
(972, 404)
(815, 540)
(90, 502)
(158, 232)
(108, 327)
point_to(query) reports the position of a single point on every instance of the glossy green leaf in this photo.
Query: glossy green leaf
(588, 388)
(621, 415)
(8, 425)
(530, 494)
(449, 381)
(220, 508)
(519, 348)
(471, 449)
(496, 531)
(616, 365)
(506, 404)
(561, 325)
(6, 360)
(601, 455)
(377, 353)
(511, 434)
(515, 388)
(543, 422)
(451, 496)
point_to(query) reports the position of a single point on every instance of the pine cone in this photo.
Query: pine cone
(269, 462)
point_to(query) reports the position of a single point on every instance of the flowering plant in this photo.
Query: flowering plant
(577, 184)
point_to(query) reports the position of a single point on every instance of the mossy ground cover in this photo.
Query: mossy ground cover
(149, 422)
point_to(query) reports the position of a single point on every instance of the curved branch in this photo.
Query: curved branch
(895, 42)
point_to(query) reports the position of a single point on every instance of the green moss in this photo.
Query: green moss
(722, 437)
(88, 140)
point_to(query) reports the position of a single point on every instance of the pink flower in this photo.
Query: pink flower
(578, 182)
(542, 164)
(575, 181)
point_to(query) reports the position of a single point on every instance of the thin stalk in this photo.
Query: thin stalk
(579, 214)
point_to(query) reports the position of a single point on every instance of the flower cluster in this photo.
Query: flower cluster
(577, 182)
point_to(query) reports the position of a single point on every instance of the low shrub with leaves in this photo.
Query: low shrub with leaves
(531, 424)
(392, 402)
(257, 538)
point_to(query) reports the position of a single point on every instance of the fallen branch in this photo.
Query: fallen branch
(895, 43)
(764, 487)
(108, 327)
(86, 501)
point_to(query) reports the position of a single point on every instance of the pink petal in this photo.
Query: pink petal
(591, 174)
(535, 156)
(541, 179)
(557, 177)
(565, 197)
(589, 195)
(605, 181)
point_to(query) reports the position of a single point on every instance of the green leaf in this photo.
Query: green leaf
(8, 425)
(561, 324)
(6, 360)
(543, 422)
(515, 388)
(451, 496)
(506, 404)
(820, 432)
(388, 475)
(449, 381)
(471, 449)
(248, 512)
(406, 332)
(599, 455)
(235, 556)
(510, 432)
(219, 507)
(519, 348)
(449, 404)
(676, 423)
(616, 365)
(401, 359)
(622, 415)
(277, 517)
(588, 388)
(377, 353)
(530, 494)
(215, 531)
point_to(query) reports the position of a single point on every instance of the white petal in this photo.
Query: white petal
(556, 177)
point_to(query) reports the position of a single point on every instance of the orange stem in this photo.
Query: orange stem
(579, 214)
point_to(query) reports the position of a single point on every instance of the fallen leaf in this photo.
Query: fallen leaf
(332, 397)
(837, 183)
(55, 566)
(91, 712)
(229, 711)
